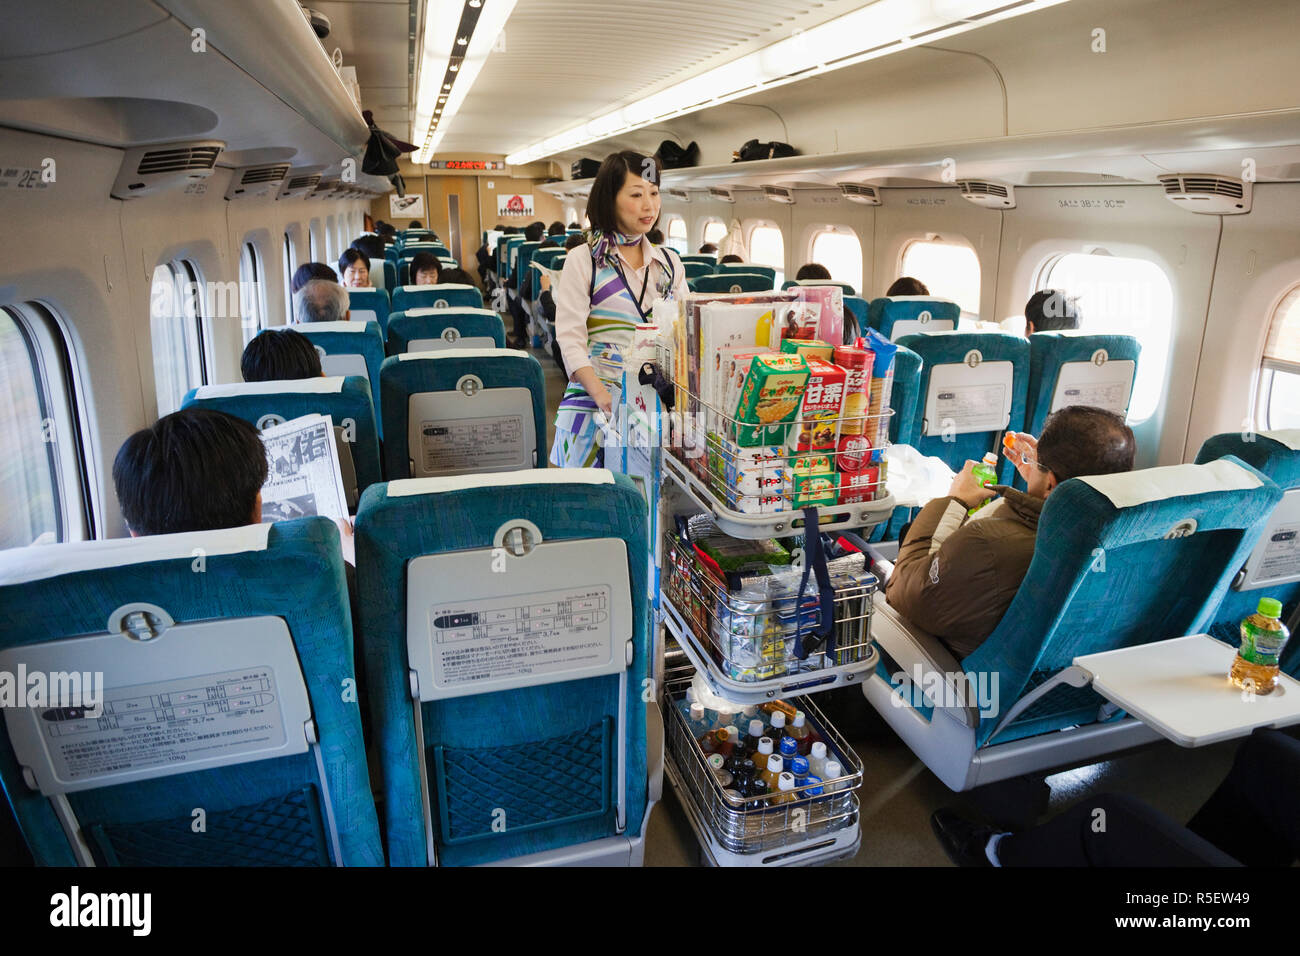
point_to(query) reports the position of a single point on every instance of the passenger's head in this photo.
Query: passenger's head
(812, 270)
(574, 225)
(573, 241)
(1051, 310)
(731, 258)
(193, 470)
(320, 301)
(309, 271)
(279, 355)
(387, 230)
(548, 243)
(534, 231)
(655, 236)
(372, 246)
(1081, 440)
(456, 276)
(354, 266)
(906, 285)
(625, 196)
(555, 229)
(709, 249)
(425, 269)
(415, 224)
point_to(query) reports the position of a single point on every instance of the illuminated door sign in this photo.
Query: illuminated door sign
(467, 164)
(516, 205)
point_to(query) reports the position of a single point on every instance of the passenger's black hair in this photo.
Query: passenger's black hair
(730, 258)
(458, 276)
(372, 246)
(602, 202)
(548, 243)
(708, 248)
(311, 270)
(425, 260)
(555, 229)
(351, 256)
(193, 470)
(279, 355)
(575, 225)
(1084, 440)
(415, 224)
(812, 270)
(1051, 310)
(906, 285)
(534, 232)
(573, 241)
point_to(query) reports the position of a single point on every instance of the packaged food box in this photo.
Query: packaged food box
(817, 426)
(770, 399)
(809, 348)
(815, 490)
(859, 486)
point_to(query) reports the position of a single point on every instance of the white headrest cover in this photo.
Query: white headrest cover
(462, 353)
(304, 386)
(405, 487)
(41, 561)
(452, 311)
(309, 327)
(1290, 437)
(1172, 481)
(440, 287)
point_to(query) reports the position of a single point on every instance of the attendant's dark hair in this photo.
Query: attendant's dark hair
(1051, 310)
(350, 257)
(730, 258)
(573, 242)
(425, 260)
(812, 270)
(1084, 440)
(906, 285)
(311, 270)
(602, 210)
(193, 470)
(279, 355)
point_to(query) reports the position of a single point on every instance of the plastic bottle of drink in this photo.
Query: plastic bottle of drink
(698, 720)
(733, 739)
(754, 736)
(735, 759)
(726, 715)
(986, 473)
(772, 706)
(833, 772)
(1263, 636)
(758, 791)
(788, 748)
(744, 776)
(721, 742)
(759, 756)
(799, 767)
(772, 772)
(817, 759)
(777, 730)
(784, 789)
(719, 771)
(799, 730)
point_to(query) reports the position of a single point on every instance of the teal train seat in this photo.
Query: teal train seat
(345, 399)
(732, 282)
(506, 623)
(1273, 567)
(462, 411)
(857, 307)
(705, 258)
(749, 268)
(349, 348)
(448, 295)
(430, 330)
(696, 269)
(844, 286)
(903, 401)
(222, 731)
(899, 315)
(369, 305)
(1122, 560)
(1079, 368)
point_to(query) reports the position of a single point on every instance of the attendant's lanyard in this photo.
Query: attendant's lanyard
(618, 267)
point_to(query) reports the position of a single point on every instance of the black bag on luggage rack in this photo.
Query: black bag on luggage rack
(584, 168)
(756, 150)
(672, 156)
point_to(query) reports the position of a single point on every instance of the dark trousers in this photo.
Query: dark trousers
(1251, 818)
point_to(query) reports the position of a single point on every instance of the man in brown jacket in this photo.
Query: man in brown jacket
(956, 573)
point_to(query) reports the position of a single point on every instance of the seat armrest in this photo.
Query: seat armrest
(916, 651)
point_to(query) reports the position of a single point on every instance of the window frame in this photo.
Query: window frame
(187, 320)
(934, 238)
(1268, 368)
(685, 238)
(290, 255)
(704, 230)
(751, 227)
(253, 295)
(815, 232)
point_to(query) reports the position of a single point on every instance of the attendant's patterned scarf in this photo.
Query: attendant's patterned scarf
(604, 246)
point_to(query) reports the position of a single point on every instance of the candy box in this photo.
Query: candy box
(814, 348)
(816, 490)
(817, 426)
(860, 486)
(770, 399)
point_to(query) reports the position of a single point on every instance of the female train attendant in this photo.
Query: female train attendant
(604, 291)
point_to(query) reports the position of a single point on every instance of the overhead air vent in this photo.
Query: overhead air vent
(856, 192)
(781, 194)
(256, 181)
(988, 194)
(718, 192)
(681, 195)
(1207, 193)
(324, 188)
(150, 169)
(299, 184)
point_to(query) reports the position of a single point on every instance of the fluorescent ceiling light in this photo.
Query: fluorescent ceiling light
(867, 33)
(441, 42)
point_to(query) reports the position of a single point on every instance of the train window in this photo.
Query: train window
(838, 249)
(252, 300)
(767, 248)
(43, 482)
(176, 333)
(715, 230)
(950, 270)
(570, 215)
(313, 240)
(288, 279)
(331, 240)
(1280, 381)
(677, 238)
(1124, 297)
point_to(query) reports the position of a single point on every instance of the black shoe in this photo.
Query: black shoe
(963, 840)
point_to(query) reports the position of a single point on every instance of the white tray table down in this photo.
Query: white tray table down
(1180, 689)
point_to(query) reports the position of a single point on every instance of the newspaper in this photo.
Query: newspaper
(303, 476)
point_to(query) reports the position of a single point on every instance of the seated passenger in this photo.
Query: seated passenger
(573, 242)
(534, 231)
(372, 246)
(957, 573)
(425, 269)
(1051, 310)
(354, 266)
(193, 470)
(730, 258)
(906, 285)
(415, 224)
(279, 355)
(309, 271)
(555, 229)
(456, 276)
(574, 225)
(708, 249)
(320, 301)
(812, 270)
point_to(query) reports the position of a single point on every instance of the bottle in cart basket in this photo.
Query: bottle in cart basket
(814, 784)
(734, 760)
(799, 767)
(759, 756)
(833, 772)
(698, 720)
(755, 735)
(800, 731)
(745, 775)
(1263, 636)
(778, 725)
(773, 771)
(784, 789)
(817, 759)
(758, 791)
(788, 748)
(721, 742)
(733, 738)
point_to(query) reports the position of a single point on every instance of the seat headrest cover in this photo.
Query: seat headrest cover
(332, 327)
(454, 310)
(441, 286)
(35, 563)
(1172, 481)
(305, 386)
(405, 487)
(1290, 437)
(463, 354)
